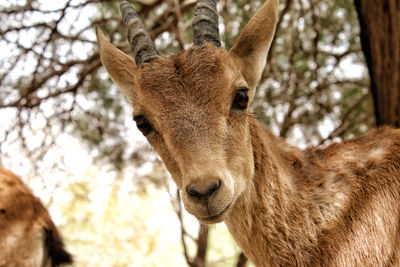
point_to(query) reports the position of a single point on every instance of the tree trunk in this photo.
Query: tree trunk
(242, 260)
(380, 39)
(202, 242)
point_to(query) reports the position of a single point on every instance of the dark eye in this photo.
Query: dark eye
(241, 99)
(143, 124)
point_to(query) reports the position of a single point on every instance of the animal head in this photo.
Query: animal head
(193, 107)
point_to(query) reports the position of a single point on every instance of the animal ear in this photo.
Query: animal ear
(120, 66)
(251, 49)
(55, 247)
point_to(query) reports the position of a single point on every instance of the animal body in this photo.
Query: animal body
(28, 236)
(334, 206)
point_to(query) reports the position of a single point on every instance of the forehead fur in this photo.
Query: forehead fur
(198, 75)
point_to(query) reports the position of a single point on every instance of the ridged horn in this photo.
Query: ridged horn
(205, 23)
(142, 46)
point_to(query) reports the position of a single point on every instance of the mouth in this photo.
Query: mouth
(216, 217)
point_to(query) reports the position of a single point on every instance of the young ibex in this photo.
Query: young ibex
(337, 206)
(28, 236)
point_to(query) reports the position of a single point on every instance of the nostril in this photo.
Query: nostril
(203, 192)
(213, 187)
(193, 192)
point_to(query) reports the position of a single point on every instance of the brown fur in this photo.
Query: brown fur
(28, 236)
(336, 206)
(339, 206)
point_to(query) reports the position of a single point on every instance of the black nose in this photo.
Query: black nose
(201, 191)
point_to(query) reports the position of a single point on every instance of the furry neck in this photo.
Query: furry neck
(273, 220)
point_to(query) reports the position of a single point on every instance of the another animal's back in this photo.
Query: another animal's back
(28, 237)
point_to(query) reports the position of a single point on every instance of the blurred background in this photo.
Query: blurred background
(68, 130)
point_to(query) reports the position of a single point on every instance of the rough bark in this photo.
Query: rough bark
(380, 38)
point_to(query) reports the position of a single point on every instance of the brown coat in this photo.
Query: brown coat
(337, 206)
(28, 236)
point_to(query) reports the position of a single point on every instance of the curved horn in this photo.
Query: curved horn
(142, 46)
(205, 23)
